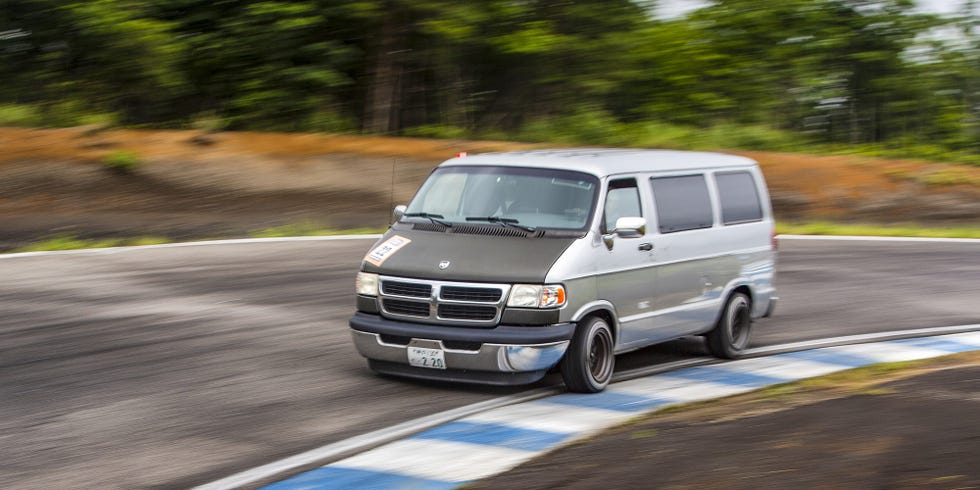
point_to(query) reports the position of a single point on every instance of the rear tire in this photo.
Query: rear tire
(730, 337)
(589, 362)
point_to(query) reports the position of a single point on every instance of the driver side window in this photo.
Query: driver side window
(622, 200)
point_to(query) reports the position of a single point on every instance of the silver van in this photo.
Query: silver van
(506, 265)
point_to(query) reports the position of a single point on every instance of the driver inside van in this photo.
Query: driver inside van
(509, 197)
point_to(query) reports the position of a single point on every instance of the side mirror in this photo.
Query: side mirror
(630, 227)
(399, 211)
(626, 227)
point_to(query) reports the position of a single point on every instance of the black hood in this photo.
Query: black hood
(472, 258)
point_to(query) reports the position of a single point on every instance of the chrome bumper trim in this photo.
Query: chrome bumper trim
(507, 358)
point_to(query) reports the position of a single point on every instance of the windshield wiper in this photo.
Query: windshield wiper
(503, 221)
(433, 217)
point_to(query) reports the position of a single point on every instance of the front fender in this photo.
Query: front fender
(598, 305)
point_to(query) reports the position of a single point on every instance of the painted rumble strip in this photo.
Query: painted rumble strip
(494, 441)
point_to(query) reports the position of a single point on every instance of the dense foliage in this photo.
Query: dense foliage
(825, 71)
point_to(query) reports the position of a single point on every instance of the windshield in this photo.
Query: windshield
(535, 198)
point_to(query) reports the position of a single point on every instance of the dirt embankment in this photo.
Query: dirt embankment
(193, 186)
(912, 428)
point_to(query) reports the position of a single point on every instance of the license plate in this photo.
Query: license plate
(427, 358)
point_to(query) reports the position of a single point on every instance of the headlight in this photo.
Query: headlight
(367, 284)
(536, 296)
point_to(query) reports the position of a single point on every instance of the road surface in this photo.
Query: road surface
(178, 366)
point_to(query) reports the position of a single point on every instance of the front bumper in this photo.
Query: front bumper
(501, 355)
(772, 306)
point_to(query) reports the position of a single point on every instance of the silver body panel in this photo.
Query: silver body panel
(687, 274)
(653, 287)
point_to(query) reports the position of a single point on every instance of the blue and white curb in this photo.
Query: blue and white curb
(494, 441)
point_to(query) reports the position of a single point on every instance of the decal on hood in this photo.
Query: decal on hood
(386, 249)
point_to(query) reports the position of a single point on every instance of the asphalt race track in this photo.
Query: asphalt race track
(177, 366)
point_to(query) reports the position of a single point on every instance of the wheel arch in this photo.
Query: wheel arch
(736, 287)
(603, 309)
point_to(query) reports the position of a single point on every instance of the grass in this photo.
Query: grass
(19, 115)
(597, 127)
(62, 114)
(858, 229)
(122, 162)
(865, 380)
(856, 379)
(68, 242)
(950, 176)
(862, 381)
(311, 229)
(811, 228)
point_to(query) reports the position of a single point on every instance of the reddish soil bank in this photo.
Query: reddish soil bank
(193, 186)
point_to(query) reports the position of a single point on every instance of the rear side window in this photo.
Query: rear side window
(739, 198)
(682, 203)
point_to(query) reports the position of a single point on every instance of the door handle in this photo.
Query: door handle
(645, 247)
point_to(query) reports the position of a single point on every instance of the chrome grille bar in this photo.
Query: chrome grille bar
(443, 302)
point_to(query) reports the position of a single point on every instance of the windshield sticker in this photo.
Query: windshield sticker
(580, 184)
(386, 249)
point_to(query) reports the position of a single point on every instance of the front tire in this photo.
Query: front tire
(730, 337)
(589, 362)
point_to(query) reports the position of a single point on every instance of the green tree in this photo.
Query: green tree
(840, 71)
(103, 54)
(272, 65)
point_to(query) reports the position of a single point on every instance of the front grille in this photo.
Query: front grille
(458, 293)
(408, 308)
(467, 312)
(442, 302)
(415, 290)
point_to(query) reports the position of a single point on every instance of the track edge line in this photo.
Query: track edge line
(348, 447)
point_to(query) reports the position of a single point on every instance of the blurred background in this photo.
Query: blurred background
(127, 122)
(886, 77)
(142, 121)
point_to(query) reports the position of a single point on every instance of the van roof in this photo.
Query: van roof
(603, 162)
